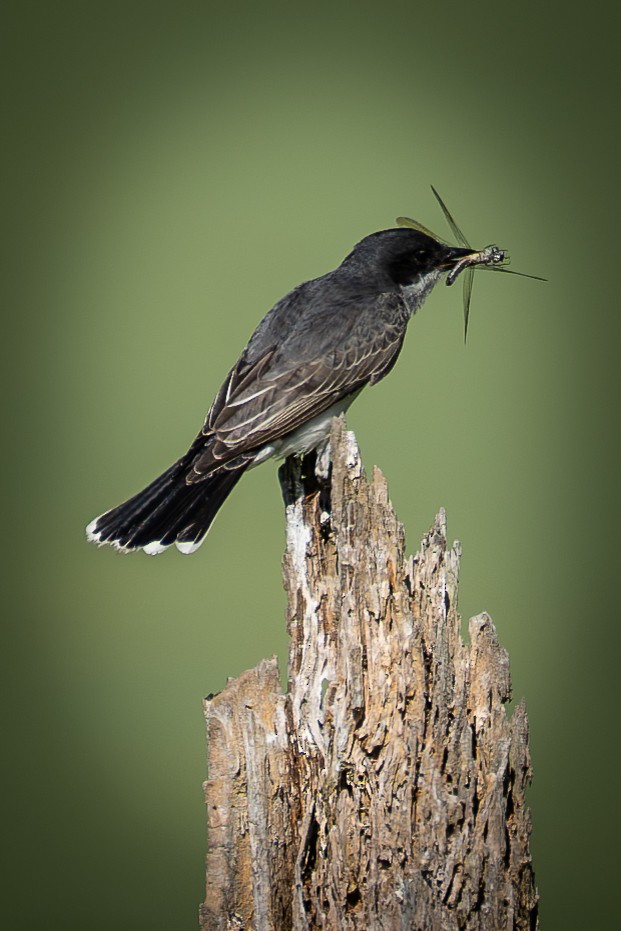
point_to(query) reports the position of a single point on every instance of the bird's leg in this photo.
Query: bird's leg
(297, 477)
(307, 475)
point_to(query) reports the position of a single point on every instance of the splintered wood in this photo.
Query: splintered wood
(385, 789)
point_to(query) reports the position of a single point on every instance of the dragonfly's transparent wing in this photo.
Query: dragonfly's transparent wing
(468, 281)
(457, 233)
(508, 271)
(415, 225)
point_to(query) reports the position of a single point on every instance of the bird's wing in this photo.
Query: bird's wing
(278, 392)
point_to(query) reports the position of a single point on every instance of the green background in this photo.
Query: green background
(171, 170)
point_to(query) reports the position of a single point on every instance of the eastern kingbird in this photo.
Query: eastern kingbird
(308, 359)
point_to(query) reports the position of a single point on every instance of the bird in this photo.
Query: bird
(307, 360)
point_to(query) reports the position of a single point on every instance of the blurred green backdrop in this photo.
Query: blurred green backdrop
(170, 171)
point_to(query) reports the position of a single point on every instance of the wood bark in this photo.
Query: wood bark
(385, 788)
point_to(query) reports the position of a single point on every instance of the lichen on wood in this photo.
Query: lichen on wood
(385, 788)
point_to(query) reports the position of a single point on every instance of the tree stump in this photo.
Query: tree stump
(385, 788)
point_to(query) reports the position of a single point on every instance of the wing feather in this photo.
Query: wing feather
(278, 392)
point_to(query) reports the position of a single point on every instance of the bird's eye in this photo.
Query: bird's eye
(422, 254)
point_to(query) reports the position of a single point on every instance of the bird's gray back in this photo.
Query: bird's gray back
(322, 316)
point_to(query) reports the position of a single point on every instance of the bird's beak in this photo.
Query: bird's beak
(455, 255)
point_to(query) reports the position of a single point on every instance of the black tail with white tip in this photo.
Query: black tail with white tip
(168, 511)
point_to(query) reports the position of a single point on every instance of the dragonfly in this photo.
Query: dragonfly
(492, 258)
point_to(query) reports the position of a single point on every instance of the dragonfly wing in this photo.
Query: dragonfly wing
(457, 233)
(468, 281)
(508, 271)
(415, 225)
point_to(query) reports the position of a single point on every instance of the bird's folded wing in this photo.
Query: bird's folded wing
(264, 401)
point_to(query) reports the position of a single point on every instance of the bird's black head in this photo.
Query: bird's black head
(403, 256)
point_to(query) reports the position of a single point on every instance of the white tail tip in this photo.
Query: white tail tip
(154, 548)
(188, 548)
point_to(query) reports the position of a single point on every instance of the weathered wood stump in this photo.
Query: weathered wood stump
(385, 789)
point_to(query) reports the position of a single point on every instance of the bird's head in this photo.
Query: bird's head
(405, 257)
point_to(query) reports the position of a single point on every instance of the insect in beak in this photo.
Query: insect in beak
(491, 255)
(466, 259)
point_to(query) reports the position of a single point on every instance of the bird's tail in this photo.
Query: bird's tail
(167, 511)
